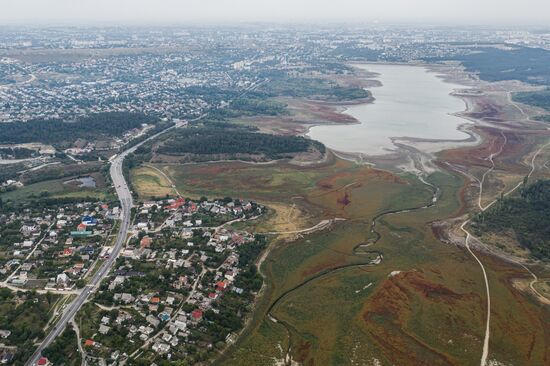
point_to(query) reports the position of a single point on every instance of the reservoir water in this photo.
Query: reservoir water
(83, 182)
(412, 102)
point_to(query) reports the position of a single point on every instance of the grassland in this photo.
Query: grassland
(56, 188)
(340, 326)
(326, 303)
(150, 182)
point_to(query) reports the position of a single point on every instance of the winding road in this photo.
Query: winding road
(491, 159)
(485, 352)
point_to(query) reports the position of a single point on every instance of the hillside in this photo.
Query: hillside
(526, 217)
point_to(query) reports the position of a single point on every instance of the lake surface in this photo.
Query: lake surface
(412, 102)
(84, 182)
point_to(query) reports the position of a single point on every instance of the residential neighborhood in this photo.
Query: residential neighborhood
(53, 247)
(174, 281)
(183, 282)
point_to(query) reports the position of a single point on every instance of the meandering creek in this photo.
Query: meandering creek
(359, 250)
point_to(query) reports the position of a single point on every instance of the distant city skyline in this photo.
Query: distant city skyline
(172, 12)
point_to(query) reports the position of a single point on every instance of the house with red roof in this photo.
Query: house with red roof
(237, 239)
(196, 315)
(221, 285)
(43, 361)
(145, 242)
(176, 204)
(67, 252)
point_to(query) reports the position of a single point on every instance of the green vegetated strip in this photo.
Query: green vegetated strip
(526, 215)
(539, 98)
(60, 132)
(62, 171)
(247, 107)
(211, 141)
(314, 88)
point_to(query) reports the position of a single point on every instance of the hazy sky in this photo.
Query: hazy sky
(185, 11)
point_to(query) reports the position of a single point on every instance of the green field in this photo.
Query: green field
(57, 189)
(332, 306)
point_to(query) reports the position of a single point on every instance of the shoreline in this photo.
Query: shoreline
(472, 140)
(412, 151)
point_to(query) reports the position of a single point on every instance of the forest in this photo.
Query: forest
(60, 132)
(246, 107)
(234, 140)
(526, 216)
(539, 99)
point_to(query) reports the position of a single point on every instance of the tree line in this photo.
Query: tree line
(211, 141)
(525, 216)
(57, 131)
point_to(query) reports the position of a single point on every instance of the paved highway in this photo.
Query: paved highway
(125, 197)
